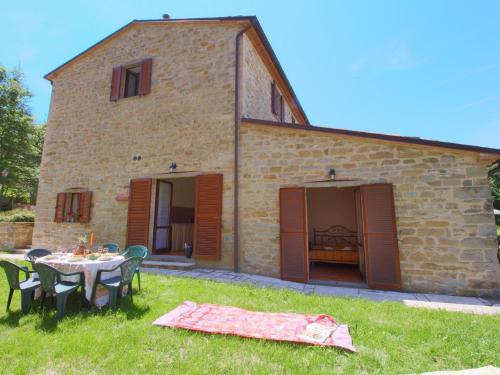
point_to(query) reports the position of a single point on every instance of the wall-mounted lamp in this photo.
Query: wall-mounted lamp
(332, 174)
(172, 167)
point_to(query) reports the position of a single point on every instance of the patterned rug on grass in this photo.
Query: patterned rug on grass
(320, 330)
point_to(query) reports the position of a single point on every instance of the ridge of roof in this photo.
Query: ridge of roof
(252, 19)
(378, 136)
(276, 62)
(136, 21)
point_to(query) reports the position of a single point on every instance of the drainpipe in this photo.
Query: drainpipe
(236, 146)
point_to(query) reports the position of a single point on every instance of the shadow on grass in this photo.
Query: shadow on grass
(11, 318)
(48, 321)
(124, 305)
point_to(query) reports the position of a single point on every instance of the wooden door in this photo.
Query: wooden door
(381, 245)
(138, 212)
(293, 235)
(162, 235)
(208, 217)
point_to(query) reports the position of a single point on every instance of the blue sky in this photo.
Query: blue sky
(427, 68)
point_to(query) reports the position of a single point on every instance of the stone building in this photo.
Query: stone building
(187, 131)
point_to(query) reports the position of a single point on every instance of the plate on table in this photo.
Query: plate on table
(50, 257)
(75, 259)
(105, 258)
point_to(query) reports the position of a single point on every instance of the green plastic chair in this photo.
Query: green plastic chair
(112, 247)
(136, 251)
(32, 255)
(115, 284)
(27, 286)
(50, 278)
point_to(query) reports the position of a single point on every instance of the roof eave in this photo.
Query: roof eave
(52, 74)
(378, 136)
(276, 62)
(251, 19)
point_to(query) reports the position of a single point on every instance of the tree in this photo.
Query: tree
(21, 141)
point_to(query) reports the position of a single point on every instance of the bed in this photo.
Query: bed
(336, 244)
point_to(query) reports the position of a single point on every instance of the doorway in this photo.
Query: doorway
(335, 235)
(373, 235)
(174, 215)
(187, 209)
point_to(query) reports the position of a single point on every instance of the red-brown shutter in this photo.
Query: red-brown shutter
(116, 83)
(145, 77)
(84, 204)
(208, 217)
(282, 109)
(381, 245)
(293, 234)
(59, 214)
(274, 110)
(139, 206)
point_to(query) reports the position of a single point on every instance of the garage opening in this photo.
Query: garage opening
(335, 235)
(174, 215)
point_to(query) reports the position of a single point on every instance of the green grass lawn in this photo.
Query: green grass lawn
(391, 338)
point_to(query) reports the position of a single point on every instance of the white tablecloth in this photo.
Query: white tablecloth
(89, 269)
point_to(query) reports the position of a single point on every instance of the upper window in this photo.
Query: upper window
(131, 86)
(131, 80)
(277, 103)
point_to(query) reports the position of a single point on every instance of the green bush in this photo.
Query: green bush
(16, 216)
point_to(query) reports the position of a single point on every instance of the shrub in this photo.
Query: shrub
(17, 216)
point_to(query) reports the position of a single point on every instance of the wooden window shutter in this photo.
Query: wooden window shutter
(84, 204)
(116, 83)
(274, 109)
(139, 206)
(145, 77)
(208, 217)
(293, 235)
(282, 109)
(380, 237)
(59, 214)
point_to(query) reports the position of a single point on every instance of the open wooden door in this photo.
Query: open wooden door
(139, 206)
(381, 245)
(208, 217)
(162, 233)
(293, 234)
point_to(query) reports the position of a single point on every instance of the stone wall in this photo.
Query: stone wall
(15, 235)
(445, 222)
(443, 204)
(256, 86)
(188, 118)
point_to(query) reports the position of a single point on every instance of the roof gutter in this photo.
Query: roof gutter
(237, 119)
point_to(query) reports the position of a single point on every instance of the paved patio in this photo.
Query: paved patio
(431, 301)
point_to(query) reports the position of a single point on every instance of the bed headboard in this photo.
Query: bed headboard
(335, 235)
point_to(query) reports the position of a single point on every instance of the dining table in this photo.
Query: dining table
(69, 264)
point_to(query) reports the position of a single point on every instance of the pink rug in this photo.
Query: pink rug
(288, 327)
